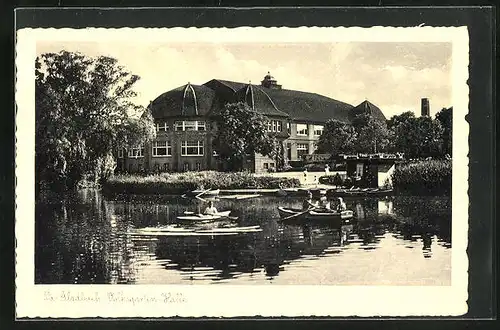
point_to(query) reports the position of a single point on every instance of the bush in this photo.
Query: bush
(427, 177)
(179, 183)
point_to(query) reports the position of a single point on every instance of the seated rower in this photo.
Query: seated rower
(308, 203)
(341, 205)
(210, 210)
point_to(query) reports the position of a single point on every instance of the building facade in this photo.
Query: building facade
(186, 124)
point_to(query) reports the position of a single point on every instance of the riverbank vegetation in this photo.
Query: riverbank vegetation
(84, 111)
(426, 177)
(178, 183)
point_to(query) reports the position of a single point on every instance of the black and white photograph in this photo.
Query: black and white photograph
(199, 168)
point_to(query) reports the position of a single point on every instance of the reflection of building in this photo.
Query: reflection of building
(385, 207)
(186, 123)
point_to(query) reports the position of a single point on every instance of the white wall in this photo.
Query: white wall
(383, 176)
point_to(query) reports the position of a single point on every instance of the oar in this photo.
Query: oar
(203, 192)
(299, 214)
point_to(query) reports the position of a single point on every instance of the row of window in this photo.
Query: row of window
(272, 126)
(189, 148)
(194, 125)
(164, 149)
(303, 130)
(165, 167)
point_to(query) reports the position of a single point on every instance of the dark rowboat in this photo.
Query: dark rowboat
(292, 192)
(290, 214)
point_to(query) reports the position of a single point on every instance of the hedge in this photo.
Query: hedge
(426, 177)
(179, 183)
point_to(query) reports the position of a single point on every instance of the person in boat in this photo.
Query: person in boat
(308, 202)
(210, 210)
(341, 205)
(325, 204)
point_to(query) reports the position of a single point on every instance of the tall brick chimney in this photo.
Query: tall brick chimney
(425, 108)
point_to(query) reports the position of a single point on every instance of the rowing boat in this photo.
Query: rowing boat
(292, 214)
(204, 217)
(196, 232)
(360, 192)
(202, 192)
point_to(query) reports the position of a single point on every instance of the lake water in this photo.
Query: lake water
(89, 239)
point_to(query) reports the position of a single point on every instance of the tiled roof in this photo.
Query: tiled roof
(303, 106)
(368, 108)
(297, 105)
(259, 100)
(187, 100)
(300, 106)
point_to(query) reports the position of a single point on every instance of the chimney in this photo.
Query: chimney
(425, 108)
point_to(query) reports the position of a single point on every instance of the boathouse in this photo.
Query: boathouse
(371, 170)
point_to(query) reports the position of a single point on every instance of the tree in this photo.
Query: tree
(445, 118)
(373, 137)
(338, 137)
(242, 132)
(417, 137)
(84, 112)
(396, 120)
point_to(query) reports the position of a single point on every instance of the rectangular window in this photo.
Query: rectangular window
(302, 149)
(198, 166)
(190, 126)
(288, 128)
(136, 153)
(179, 125)
(302, 129)
(274, 126)
(162, 149)
(266, 166)
(192, 148)
(162, 127)
(201, 125)
(318, 130)
(186, 167)
(166, 167)
(120, 153)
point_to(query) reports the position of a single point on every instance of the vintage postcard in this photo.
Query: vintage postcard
(212, 172)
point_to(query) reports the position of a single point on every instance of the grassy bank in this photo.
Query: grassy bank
(179, 183)
(427, 177)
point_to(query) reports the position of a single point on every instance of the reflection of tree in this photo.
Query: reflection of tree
(71, 240)
(424, 216)
(84, 239)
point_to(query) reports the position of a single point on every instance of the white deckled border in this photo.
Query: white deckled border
(230, 300)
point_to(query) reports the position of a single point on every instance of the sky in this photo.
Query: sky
(394, 76)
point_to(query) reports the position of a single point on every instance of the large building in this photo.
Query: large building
(185, 120)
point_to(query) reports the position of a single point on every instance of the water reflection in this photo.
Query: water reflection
(88, 239)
